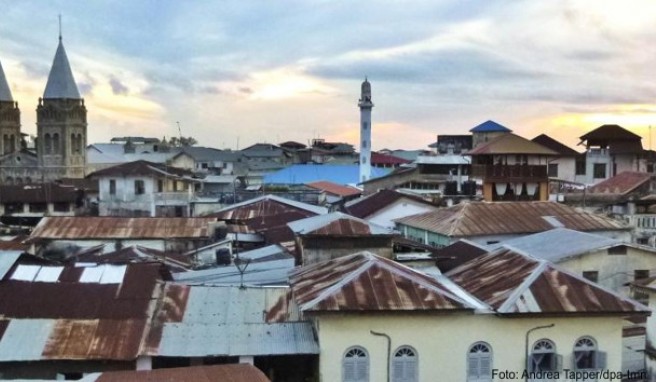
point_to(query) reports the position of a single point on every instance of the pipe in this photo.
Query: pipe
(526, 346)
(389, 350)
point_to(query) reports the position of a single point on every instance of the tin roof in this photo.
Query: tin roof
(84, 228)
(610, 132)
(265, 205)
(196, 321)
(337, 224)
(550, 143)
(335, 189)
(386, 159)
(68, 313)
(622, 183)
(510, 144)
(134, 254)
(38, 193)
(495, 218)
(239, 372)
(489, 127)
(142, 167)
(513, 283)
(366, 282)
(367, 205)
(306, 173)
(557, 244)
(458, 253)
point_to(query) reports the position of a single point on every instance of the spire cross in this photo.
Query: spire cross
(60, 28)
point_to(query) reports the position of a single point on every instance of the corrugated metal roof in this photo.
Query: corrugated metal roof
(366, 282)
(557, 244)
(610, 132)
(81, 228)
(495, 218)
(513, 283)
(265, 205)
(274, 272)
(307, 173)
(214, 373)
(622, 183)
(554, 145)
(69, 313)
(7, 260)
(370, 204)
(335, 189)
(226, 321)
(444, 159)
(510, 144)
(338, 224)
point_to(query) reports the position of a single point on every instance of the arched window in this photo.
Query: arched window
(47, 143)
(9, 180)
(479, 363)
(12, 143)
(404, 365)
(19, 180)
(544, 357)
(355, 365)
(55, 143)
(587, 356)
(5, 144)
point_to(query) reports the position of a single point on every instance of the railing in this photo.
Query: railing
(525, 172)
(642, 221)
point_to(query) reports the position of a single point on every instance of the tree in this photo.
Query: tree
(182, 141)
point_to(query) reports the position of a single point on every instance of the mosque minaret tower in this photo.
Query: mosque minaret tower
(365, 105)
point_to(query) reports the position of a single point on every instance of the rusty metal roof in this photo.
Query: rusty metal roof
(496, 218)
(239, 372)
(622, 183)
(366, 282)
(337, 224)
(69, 313)
(370, 204)
(266, 205)
(335, 188)
(510, 144)
(513, 283)
(84, 228)
(38, 193)
(134, 254)
(196, 321)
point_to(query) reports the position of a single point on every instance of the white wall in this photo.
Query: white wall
(399, 209)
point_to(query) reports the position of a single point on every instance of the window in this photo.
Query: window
(580, 167)
(591, 275)
(640, 296)
(479, 363)
(365, 125)
(55, 143)
(599, 171)
(112, 187)
(48, 143)
(139, 187)
(544, 357)
(364, 144)
(404, 365)
(617, 250)
(586, 356)
(38, 207)
(160, 185)
(355, 365)
(62, 207)
(552, 170)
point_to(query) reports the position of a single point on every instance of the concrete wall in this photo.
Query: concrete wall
(442, 341)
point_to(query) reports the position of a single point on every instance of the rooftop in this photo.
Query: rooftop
(622, 183)
(366, 282)
(5, 92)
(370, 204)
(510, 144)
(514, 283)
(495, 218)
(550, 143)
(239, 372)
(337, 224)
(489, 127)
(142, 167)
(335, 189)
(610, 132)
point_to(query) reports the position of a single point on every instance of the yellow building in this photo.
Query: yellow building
(497, 317)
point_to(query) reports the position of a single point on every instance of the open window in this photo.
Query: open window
(544, 357)
(586, 356)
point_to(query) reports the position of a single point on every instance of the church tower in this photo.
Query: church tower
(61, 123)
(365, 105)
(9, 118)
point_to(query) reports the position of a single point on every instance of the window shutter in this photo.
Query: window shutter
(485, 366)
(532, 361)
(473, 366)
(601, 360)
(557, 362)
(362, 369)
(349, 370)
(411, 369)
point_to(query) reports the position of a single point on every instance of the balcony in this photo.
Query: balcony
(645, 222)
(510, 172)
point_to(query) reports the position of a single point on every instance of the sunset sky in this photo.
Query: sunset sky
(239, 72)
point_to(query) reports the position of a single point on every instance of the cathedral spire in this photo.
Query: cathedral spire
(61, 84)
(5, 92)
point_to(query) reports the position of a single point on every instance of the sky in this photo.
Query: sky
(234, 73)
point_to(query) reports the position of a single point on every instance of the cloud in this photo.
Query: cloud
(118, 88)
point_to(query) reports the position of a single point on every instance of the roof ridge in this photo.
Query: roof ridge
(460, 215)
(335, 287)
(528, 281)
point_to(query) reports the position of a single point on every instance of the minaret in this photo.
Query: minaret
(365, 105)
(9, 118)
(61, 123)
